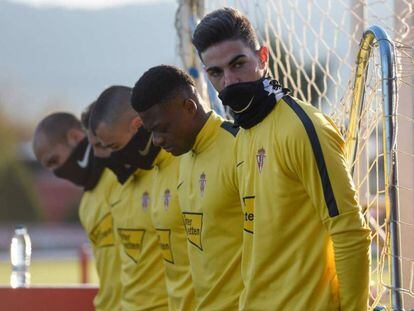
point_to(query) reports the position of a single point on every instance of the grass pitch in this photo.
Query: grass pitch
(52, 272)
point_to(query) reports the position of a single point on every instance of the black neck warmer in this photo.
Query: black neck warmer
(251, 102)
(122, 171)
(138, 153)
(81, 168)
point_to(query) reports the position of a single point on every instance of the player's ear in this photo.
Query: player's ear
(74, 136)
(190, 106)
(263, 55)
(136, 123)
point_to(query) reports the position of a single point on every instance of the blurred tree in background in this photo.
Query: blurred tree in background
(18, 201)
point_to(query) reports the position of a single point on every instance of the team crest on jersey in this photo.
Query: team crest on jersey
(260, 156)
(145, 200)
(167, 199)
(203, 182)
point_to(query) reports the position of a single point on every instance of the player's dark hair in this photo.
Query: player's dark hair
(56, 127)
(159, 85)
(221, 25)
(86, 114)
(110, 106)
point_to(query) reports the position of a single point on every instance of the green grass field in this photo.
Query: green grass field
(52, 272)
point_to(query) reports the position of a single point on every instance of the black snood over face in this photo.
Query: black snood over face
(81, 168)
(138, 153)
(122, 171)
(252, 101)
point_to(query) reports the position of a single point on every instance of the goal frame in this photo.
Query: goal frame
(376, 36)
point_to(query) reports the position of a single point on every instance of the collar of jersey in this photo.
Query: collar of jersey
(135, 174)
(105, 176)
(140, 173)
(163, 159)
(206, 137)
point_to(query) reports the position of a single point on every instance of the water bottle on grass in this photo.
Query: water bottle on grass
(20, 254)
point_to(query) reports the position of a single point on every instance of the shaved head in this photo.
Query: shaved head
(56, 126)
(111, 107)
(113, 120)
(55, 137)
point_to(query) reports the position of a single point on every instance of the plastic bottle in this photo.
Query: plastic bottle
(20, 254)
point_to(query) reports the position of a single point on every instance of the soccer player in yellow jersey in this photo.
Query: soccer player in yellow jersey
(171, 108)
(153, 217)
(60, 145)
(306, 243)
(167, 220)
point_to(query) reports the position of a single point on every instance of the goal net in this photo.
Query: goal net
(315, 51)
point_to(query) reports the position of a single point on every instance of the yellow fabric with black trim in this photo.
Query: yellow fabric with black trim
(306, 243)
(213, 216)
(96, 219)
(167, 219)
(142, 273)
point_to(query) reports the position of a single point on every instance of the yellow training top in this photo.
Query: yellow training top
(96, 219)
(142, 274)
(213, 216)
(167, 219)
(306, 244)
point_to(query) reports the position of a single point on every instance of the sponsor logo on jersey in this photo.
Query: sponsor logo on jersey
(167, 199)
(145, 201)
(193, 223)
(102, 234)
(132, 240)
(203, 183)
(260, 156)
(248, 204)
(165, 244)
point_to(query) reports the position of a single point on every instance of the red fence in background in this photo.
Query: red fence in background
(38, 298)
